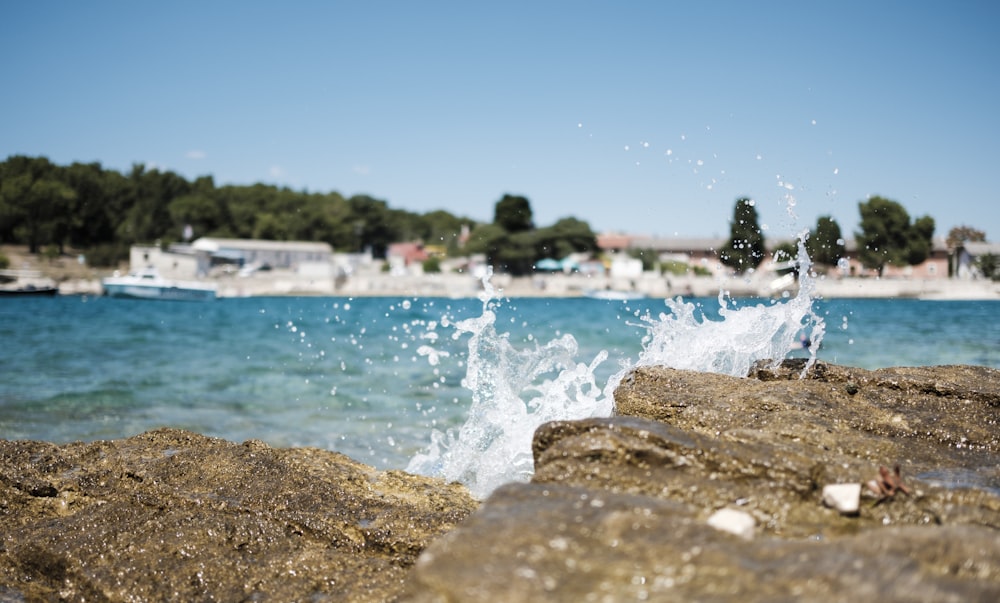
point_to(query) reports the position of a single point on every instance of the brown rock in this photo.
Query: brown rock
(619, 507)
(552, 542)
(171, 515)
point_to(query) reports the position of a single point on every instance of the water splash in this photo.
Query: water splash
(684, 340)
(514, 391)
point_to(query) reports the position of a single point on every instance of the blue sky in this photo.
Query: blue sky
(640, 117)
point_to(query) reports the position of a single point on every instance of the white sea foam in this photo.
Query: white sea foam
(684, 339)
(514, 391)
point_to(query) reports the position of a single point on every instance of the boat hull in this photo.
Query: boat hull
(613, 294)
(29, 292)
(162, 292)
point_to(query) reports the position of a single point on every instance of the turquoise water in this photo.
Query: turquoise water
(369, 377)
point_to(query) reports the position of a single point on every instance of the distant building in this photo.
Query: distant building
(168, 264)
(289, 255)
(934, 267)
(613, 241)
(966, 256)
(702, 252)
(406, 257)
(208, 254)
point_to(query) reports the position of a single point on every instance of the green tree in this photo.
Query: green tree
(487, 239)
(988, 265)
(102, 197)
(566, 236)
(510, 241)
(270, 227)
(148, 217)
(444, 228)
(50, 214)
(513, 214)
(432, 265)
(888, 237)
(506, 252)
(920, 240)
(243, 203)
(825, 244)
(517, 253)
(407, 225)
(484, 239)
(36, 207)
(197, 210)
(371, 220)
(745, 248)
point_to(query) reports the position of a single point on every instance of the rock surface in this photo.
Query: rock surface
(619, 508)
(171, 515)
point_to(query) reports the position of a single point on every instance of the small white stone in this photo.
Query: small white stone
(845, 498)
(736, 522)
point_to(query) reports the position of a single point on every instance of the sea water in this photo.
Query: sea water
(424, 383)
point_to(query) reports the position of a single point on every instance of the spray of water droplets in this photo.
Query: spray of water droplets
(514, 391)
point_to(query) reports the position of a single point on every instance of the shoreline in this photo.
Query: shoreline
(566, 286)
(73, 278)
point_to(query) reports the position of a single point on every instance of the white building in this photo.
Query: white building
(287, 255)
(966, 257)
(207, 256)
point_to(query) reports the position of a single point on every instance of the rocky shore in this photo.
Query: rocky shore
(702, 487)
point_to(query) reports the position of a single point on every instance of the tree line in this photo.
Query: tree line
(886, 236)
(103, 212)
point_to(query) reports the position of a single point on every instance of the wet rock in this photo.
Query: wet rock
(552, 542)
(621, 508)
(171, 515)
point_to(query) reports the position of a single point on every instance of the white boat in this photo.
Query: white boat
(613, 294)
(26, 283)
(148, 284)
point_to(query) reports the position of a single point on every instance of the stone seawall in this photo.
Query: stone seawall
(465, 286)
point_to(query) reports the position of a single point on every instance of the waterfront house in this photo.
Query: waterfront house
(210, 256)
(965, 258)
(257, 253)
